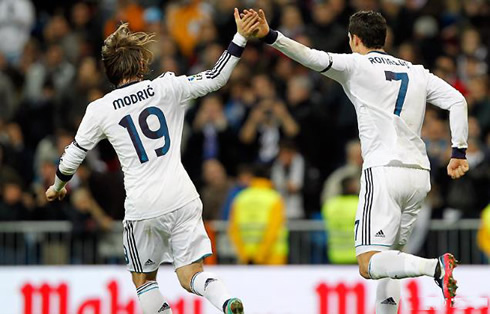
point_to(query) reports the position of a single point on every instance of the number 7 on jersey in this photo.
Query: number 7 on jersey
(393, 76)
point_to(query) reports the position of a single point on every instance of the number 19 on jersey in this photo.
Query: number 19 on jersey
(162, 131)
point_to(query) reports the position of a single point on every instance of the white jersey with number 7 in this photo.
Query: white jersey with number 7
(390, 96)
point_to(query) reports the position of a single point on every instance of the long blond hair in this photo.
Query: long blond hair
(125, 54)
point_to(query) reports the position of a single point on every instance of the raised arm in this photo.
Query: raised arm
(442, 95)
(316, 60)
(334, 65)
(198, 85)
(88, 135)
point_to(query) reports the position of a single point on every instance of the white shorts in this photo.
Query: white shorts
(177, 237)
(389, 202)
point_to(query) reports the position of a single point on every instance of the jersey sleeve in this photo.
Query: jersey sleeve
(443, 95)
(88, 135)
(333, 65)
(190, 87)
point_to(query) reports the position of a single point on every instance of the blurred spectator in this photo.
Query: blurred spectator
(16, 21)
(352, 169)
(215, 189)
(324, 22)
(408, 51)
(184, 20)
(50, 148)
(13, 203)
(399, 18)
(7, 96)
(86, 215)
(473, 51)
(15, 153)
(262, 129)
(435, 134)
(224, 20)
(479, 103)
(37, 117)
(446, 69)
(339, 214)
(57, 31)
(288, 172)
(211, 138)
(241, 98)
(308, 114)
(88, 220)
(257, 223)
(127, 11)
(291, 21)
(54, 67)
(426, 29)
(73, 101)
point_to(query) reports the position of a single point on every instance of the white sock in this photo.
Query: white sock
(387, 296)
(207, 285)
(151, 300)
(397, 265)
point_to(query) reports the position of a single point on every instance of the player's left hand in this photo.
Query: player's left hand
(52, 194)
(457, 168)
(246, 23)
(263, 27)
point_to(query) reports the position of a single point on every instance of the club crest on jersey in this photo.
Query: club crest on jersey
(133, 98)
(196, 77)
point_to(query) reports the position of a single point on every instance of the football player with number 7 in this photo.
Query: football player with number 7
(390, 96)
(143, 120)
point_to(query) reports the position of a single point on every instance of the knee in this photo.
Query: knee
(140, 279)
(187, 273)
(364, 271)
(363, 260)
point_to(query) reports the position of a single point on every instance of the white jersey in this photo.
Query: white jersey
(144, 121)
(389, 95)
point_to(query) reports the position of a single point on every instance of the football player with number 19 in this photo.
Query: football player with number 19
(390, 96)
(143, 120)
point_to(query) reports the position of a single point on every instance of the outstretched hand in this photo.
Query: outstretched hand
(457, 168)
(246, 24)
(263, 27)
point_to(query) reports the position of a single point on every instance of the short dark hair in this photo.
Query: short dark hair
(370, 27)
(125, 54)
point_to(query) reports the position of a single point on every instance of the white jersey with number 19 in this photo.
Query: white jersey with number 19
(390, 96)
(144, 121)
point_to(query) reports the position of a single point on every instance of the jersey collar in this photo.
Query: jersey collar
(377, 51)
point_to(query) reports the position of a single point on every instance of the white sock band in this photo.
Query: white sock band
(209, 286)
(397, 265)
(388, 296)
(151, 300)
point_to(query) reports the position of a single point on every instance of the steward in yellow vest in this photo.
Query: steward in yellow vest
(339, 214)
(257, 225)
(483, 236)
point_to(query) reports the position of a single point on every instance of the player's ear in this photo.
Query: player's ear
(359, 41)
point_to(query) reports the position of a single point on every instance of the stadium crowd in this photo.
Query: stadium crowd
(272, 112)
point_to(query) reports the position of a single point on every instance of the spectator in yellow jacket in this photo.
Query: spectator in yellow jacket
(257, 223)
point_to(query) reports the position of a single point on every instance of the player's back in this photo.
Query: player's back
(389, 95)
(144, 121)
